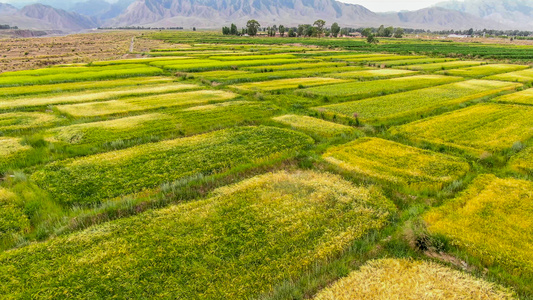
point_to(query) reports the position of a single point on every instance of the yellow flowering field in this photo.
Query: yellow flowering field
(315, 126)
(442, 65)
(401, 165)
(283, 84)
(518, 76)
(478, 129)
(523, 162)
(391, 278)
(10, 146)
(145, 103)
(373, 74)
(492, 220)
(522, 97)
(237, 244)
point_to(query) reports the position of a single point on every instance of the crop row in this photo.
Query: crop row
(484, 70)
(282, 84)
(523, 76)
(26, 120)
(442, 66)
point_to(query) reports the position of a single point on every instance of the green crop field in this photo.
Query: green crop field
(394, 107)
(358, 90)
(196, 165)
(485, 70)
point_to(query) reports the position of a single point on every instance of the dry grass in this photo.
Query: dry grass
(410, 279)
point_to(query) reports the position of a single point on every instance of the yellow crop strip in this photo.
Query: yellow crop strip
(411, 279)
(145, 103)
(26, 120)
(381, 73)
(492, 220)
(81, 97)
(398, 164)
(442, 66)
(11, 146)
(522, 97)
(518, 76)
(286, 84)
(315, 126)
(485, 70)
(523, 162)
(475, 130)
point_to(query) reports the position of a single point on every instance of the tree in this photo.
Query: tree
(335, 29)
(345, 31)
(387, 32)
(371, 39)
(398, 33)
(470, 31)
(381, 31)
(301, 30)
(252, 26)
(233, 29)
(225, 30)
(309, 30)
(281, 30)
(366, 32)
(292, 33)
(319, 25)
(194, 29)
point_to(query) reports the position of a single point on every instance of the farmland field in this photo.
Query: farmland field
(205, 166)
(476, 130)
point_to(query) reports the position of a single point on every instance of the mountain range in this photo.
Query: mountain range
(68, 17)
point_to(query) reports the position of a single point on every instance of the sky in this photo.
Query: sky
(373, 5)
(392, 5)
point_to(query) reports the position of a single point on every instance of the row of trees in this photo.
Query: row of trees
(2, 26)
(318, 29)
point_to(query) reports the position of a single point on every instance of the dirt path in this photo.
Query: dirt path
(131, 44)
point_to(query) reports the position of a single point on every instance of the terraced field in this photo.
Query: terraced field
(224, 167)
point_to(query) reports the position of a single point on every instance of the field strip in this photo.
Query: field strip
(491, 220)
(315, 126)
(484, 70)
(411, 279)
(373, 74)
(282, 84)
(81, 97)
(521, 97)
(71, 87)
(414, 103)
(358, 90)
(523, 76)
(26, 120)
(104, 176)
(442, 66)
(476, 130)
(401, 165)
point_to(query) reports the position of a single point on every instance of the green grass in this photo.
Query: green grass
(104, 176)
(413, 104)
(358, 90)
(26, 120)
(402, 166)
(84, 76)
(238, 243)
(477, 130)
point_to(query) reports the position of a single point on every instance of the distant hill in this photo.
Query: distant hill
(515, 14)
(44, 17)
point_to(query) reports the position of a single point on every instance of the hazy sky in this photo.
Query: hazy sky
(391, 5)
(376, 5)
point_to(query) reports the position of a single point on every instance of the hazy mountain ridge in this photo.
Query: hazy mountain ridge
(478, 14)
(516, 14)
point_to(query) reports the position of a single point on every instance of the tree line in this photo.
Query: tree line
(317, 29)
(5, 26)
